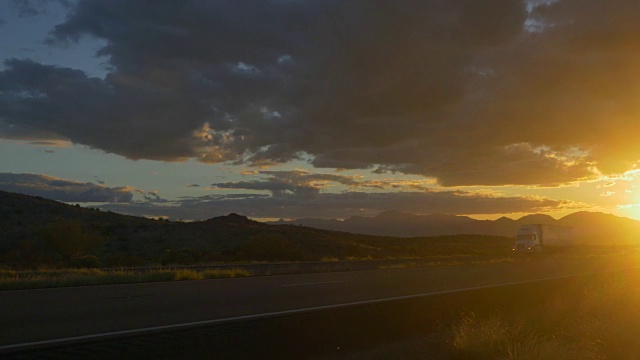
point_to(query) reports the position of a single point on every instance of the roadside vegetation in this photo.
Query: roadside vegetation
(11, 279)
(31, 279)
(602, 321)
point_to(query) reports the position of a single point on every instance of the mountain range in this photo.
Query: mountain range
(36, 232)
(596, 227)
(39, 232)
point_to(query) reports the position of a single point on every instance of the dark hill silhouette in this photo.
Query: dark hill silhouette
(603, 228)
(537, 219)
(39, 232)
(234, 219)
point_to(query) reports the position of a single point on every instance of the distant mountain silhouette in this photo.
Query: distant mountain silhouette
(400, 224)
(595, 228)
(537, 219)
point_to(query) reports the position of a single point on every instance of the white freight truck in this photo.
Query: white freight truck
(536, 237)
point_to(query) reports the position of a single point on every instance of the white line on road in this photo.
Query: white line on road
(314, 283)
(61, 341)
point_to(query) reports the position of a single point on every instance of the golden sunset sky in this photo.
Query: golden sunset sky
(291, 109)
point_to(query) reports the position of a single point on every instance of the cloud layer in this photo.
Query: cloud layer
(298, 193)
(467, 92)
(63, 190)
(342, 205)
(291, 194)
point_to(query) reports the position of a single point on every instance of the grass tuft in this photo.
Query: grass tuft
(185, 274)
(225, 273)
(600, 323)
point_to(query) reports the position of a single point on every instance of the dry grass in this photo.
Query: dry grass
(33, 279)
(445, 263)
(496, 337)
(499, 260)
(603, 323)
(228, 273)
(397, 266)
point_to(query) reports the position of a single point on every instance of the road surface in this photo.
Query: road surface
(46, 316)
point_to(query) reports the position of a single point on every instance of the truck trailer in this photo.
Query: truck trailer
(538, 237)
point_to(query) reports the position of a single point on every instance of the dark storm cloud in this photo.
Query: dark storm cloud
(326, 205)
(59, 103)
(457, 90)
(26, 8)
(153, 196)
(574, 85)
(290, 183)
(62, 190)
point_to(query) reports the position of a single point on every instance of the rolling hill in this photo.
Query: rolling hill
(40, 232)
(37, 231)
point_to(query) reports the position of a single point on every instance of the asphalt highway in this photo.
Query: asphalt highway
(49, 316)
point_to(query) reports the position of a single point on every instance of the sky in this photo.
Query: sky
(330, 109)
